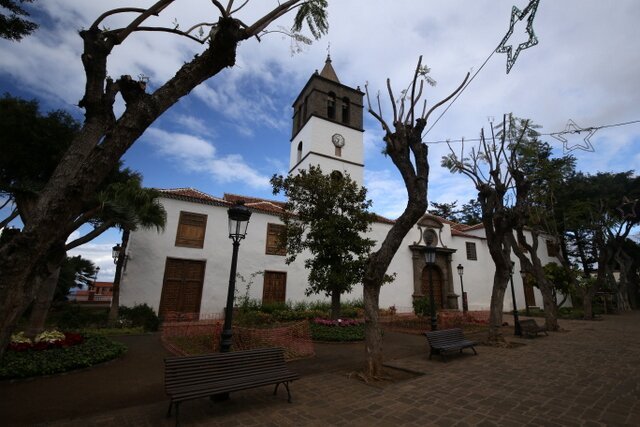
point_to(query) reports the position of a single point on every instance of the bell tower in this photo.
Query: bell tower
(327, 126)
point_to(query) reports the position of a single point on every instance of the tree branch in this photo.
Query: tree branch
(448, 97)
(262, 23)
(153, 10)
(221, 8)
(90, 236)
(108, 13)
(13, 215)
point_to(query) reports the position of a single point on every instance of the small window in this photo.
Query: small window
(274, 236)
(471, 251)
(331, 105)
(299, 157)
(345, 110)
(552, 248)
(338, 151)
(191, 230)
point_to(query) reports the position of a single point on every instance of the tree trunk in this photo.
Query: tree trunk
(550, 308)
(42, 304)
(587, 302)
(335, 305)
(372, 332)
(96, 149)
(115, 298)
(500, 280)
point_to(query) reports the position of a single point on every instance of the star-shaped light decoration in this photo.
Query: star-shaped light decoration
(572, 127)
(518, 15)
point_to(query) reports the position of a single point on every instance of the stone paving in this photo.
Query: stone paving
(586, 375)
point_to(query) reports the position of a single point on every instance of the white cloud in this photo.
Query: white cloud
(198, 155)
(387, 191)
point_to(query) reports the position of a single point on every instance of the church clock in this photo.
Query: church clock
(338, 140)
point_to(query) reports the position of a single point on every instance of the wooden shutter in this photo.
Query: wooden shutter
(191, 230)
(274, 233)
(275, 287)
(182, 286)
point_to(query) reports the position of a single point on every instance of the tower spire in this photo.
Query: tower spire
(327, 71)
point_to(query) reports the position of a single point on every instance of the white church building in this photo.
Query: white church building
(185, 269)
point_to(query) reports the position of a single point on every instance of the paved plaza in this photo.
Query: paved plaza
(586, 375)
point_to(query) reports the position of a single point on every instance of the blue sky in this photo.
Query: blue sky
(232, 133)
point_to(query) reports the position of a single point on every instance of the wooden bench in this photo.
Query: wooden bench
(193, 377)
(530, 328)
(448, 341)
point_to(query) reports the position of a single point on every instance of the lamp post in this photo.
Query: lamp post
(516, 321)
(430, 258)
(239, 216)
(115, 253)
(465, 306)
(523, 274)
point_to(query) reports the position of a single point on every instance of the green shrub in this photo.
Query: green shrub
(422, 306)
(337, 333)
(140, 315)
(93, 350)
(74, 317)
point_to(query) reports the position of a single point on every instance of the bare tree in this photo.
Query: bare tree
(487, 167)
(403, 144)
(104, 138)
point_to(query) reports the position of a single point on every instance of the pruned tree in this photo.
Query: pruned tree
(104, 138)
(486, 167)
(328, 215)
(536, 176)
(403, 144)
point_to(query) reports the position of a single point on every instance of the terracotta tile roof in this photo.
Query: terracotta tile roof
(191, 195)
(103, 284)
(458, 233)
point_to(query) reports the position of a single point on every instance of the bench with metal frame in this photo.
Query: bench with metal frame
(193, 377)
(530, 328)
(448, 341)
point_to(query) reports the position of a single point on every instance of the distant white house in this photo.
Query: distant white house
(186, 268)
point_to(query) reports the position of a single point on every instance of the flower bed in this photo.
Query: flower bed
(340, 330)
(51, 356)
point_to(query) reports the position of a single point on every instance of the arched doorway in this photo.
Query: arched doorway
(438, 294)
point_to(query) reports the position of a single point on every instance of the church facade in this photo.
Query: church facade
(186, 268)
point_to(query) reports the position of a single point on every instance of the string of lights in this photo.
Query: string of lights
(552, 134)
(516, 15)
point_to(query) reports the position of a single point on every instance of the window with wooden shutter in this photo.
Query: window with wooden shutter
(552, 248)
(275, 287)
(274, 245)
(191, 230)
(471, 251)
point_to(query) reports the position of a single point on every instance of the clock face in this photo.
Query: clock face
(338, 140)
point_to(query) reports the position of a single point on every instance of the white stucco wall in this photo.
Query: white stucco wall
(148, 250)
(316, 137)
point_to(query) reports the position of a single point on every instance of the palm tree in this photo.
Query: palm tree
(140, 208)
(125, 204)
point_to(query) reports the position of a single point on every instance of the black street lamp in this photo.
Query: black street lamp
(430, 258)
(239, 216)
(115, 253)
(516, 321)
(465, 306)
